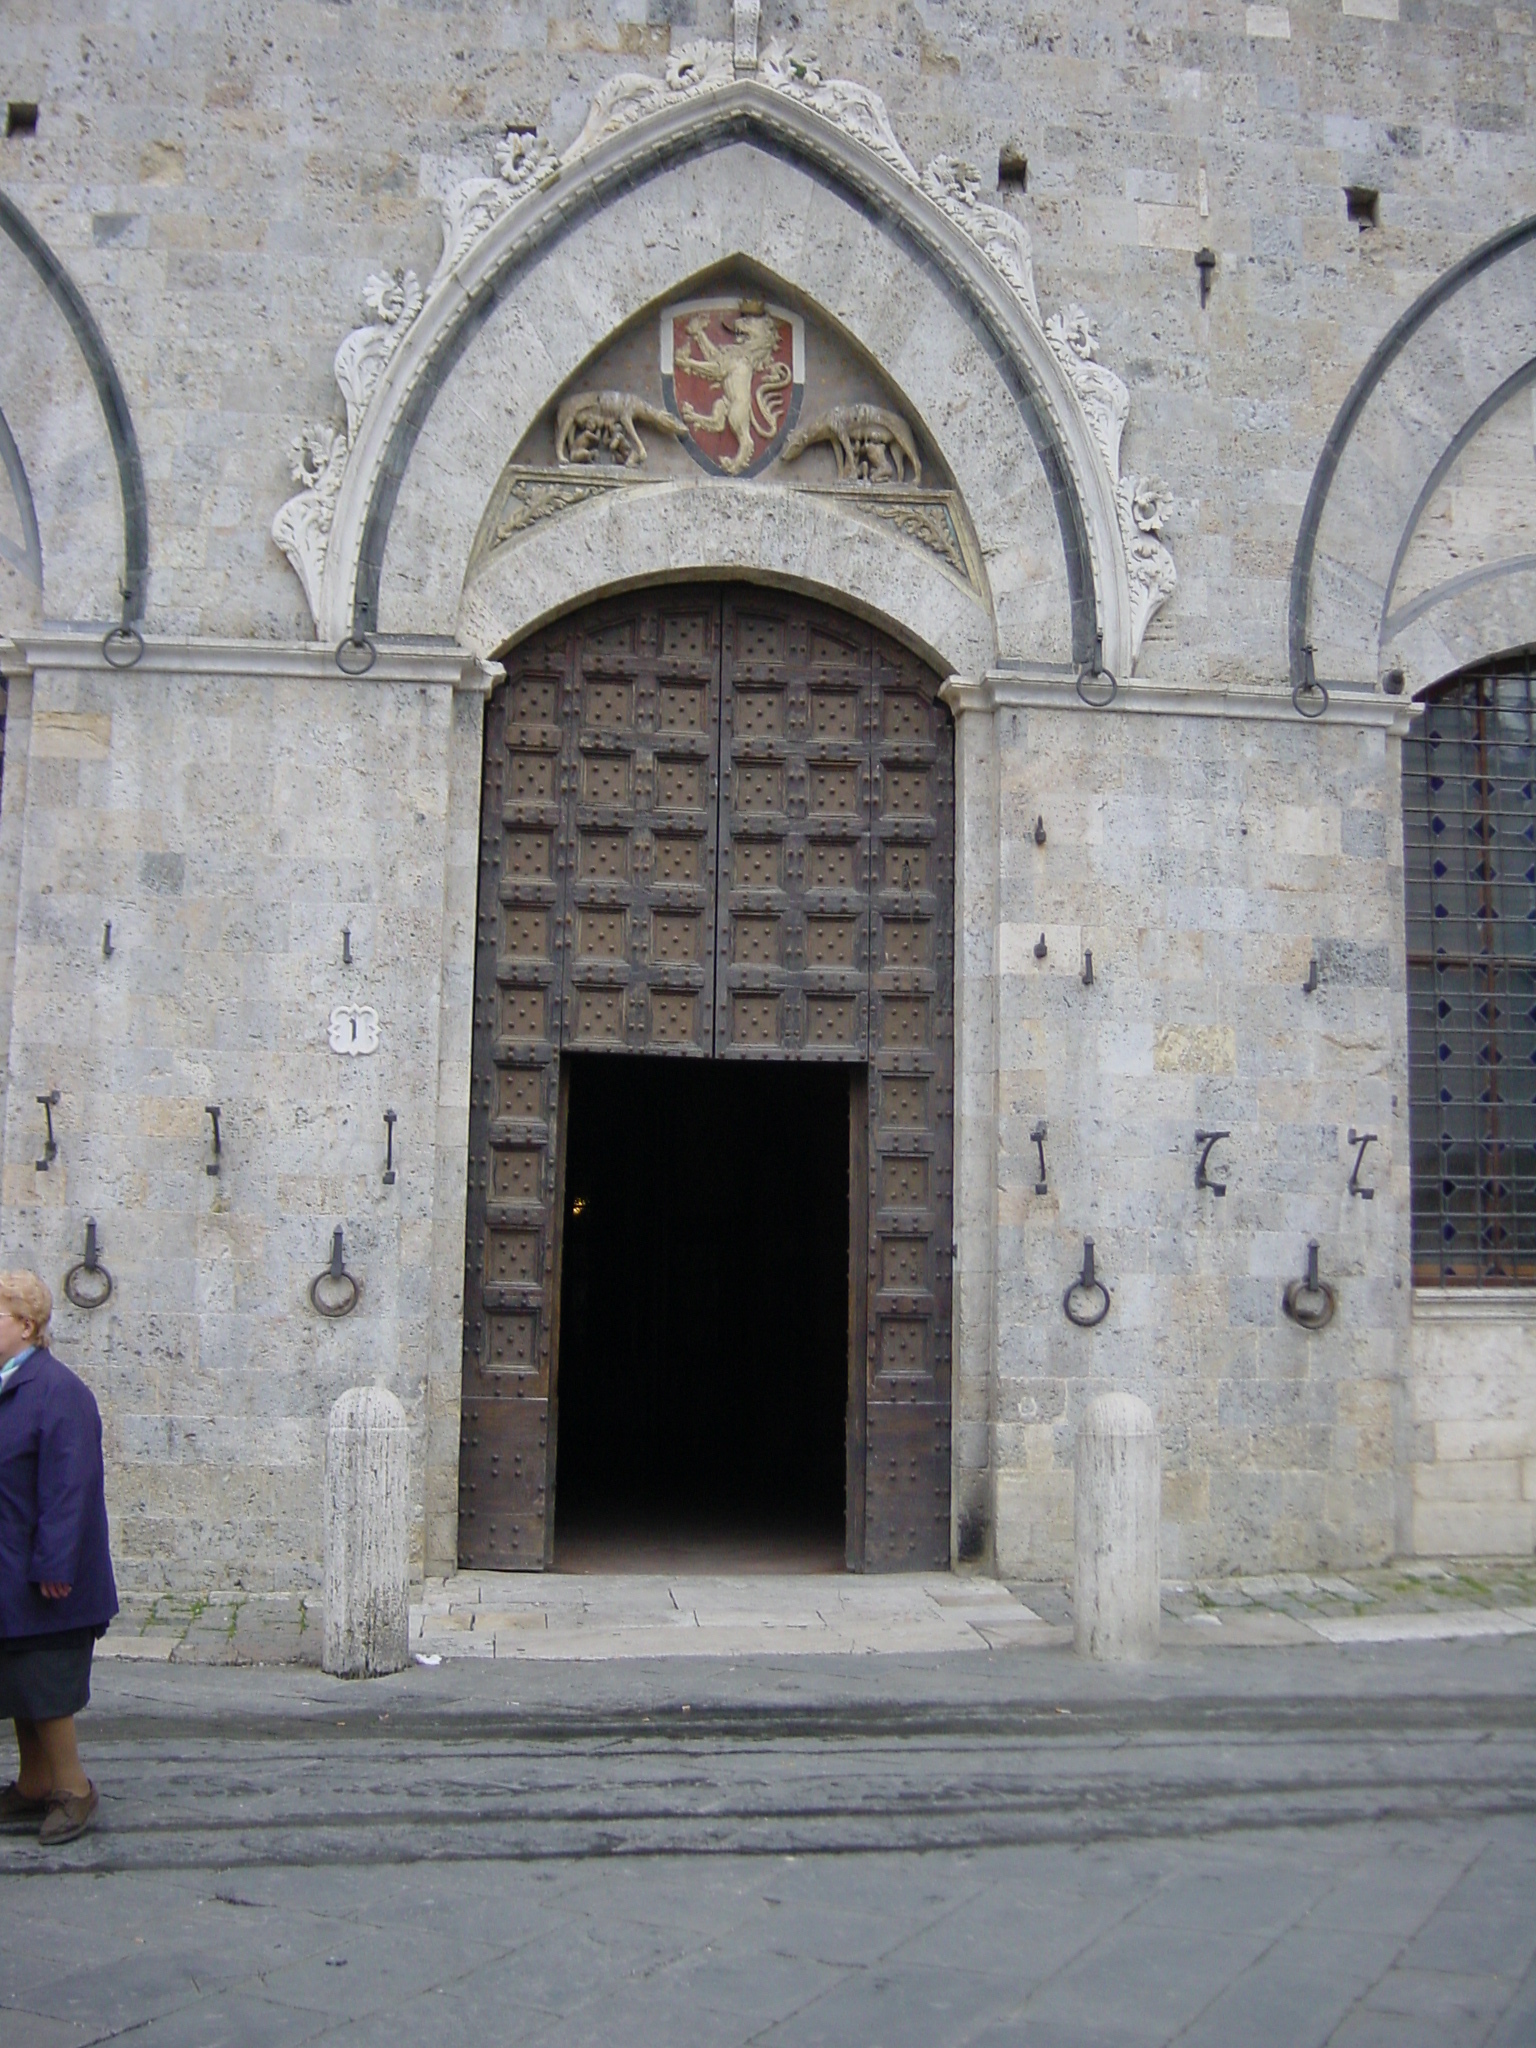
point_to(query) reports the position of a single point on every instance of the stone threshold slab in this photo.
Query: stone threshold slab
(549, 1616)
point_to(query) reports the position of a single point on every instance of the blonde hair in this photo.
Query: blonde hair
(23, 1294)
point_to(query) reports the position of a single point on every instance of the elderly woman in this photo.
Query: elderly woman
(56, 1589)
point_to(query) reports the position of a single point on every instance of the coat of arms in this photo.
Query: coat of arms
(733, 370)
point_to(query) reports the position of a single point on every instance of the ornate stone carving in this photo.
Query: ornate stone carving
(854, 108)
(302, 528)
(394, 302)
(526, 162)
(695, 68)
(1074, 340)
(1143, 504)
(599, 426)
(1003, 240)
(870, 445)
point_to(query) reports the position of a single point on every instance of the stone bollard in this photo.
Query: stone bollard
(1116, 1606)
(367, 1535)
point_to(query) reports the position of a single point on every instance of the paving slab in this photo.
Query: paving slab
(1271, 1844)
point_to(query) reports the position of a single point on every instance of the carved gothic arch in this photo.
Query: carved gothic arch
(1384, 577)
(79, 534)
(804, 179)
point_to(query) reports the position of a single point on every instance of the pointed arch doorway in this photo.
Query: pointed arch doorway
(717, 835)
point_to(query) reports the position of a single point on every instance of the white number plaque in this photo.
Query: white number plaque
(354, 1029)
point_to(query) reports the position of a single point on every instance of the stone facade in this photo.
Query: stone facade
(1315, 443)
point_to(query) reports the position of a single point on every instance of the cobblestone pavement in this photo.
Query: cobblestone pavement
(596, 1615)
(1238, 1846)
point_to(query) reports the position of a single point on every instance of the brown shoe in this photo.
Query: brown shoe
(16, 1809)
(69, 1814)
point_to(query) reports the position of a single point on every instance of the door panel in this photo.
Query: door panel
(716, 823)
(911, 1116)
(640, 967)
(511, 1289)
(793, 970)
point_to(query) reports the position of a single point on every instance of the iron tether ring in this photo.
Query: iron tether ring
(1087, 1283)
(1094, 676)
(334, 1292)
(122, 645)
(88, 1284)
(356, 654)
(1310, 1303)
(1309, 686)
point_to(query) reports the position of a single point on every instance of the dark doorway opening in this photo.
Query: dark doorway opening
(703, 1339)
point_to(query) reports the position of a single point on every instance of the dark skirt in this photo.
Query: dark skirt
(46, 1678)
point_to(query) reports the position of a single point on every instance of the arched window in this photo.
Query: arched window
(1469, 829)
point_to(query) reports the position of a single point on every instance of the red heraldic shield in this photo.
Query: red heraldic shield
(732, 371)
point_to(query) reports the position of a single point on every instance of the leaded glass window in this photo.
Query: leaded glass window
(1469, 828)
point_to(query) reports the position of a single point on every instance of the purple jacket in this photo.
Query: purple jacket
(53, 1503)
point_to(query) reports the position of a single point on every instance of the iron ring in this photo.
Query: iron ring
(1306, 1318)
(351, 665)
(344, 1304)
(1095, 674)
(1305, 687)
(1093, 1287)
(88, 1299)
(128, 656)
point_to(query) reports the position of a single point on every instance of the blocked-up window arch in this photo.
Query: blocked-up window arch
(1469, 826)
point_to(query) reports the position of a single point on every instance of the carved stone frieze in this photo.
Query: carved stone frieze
(869, 444)
(932, 519)
(600, 426)
(525, 498)
(526, 162)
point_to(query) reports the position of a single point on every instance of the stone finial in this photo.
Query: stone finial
(367, 1532)
(1116, 1604)
(744, 20)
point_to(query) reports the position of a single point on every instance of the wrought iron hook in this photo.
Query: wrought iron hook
(48, 1104)
(1207, 1139)
(1037, 1139)
(1362, 1139)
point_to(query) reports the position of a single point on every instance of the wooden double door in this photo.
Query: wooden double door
(717, 823)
